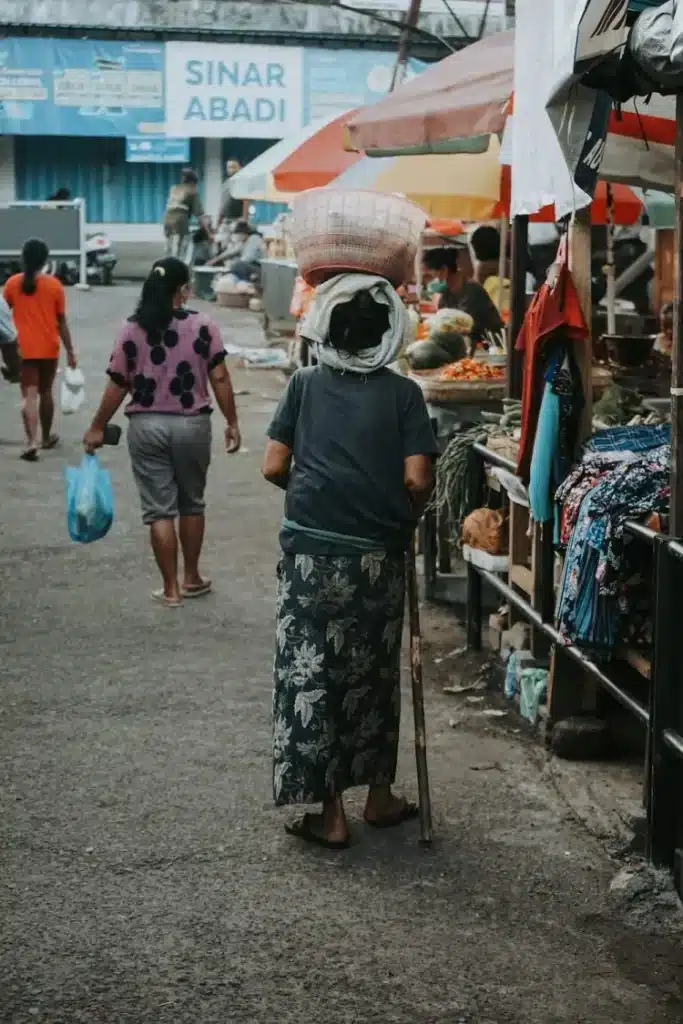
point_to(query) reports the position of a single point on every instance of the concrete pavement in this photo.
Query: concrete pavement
(146, 876)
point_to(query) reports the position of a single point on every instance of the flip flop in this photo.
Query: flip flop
(407, 813)
(168, 602)
(52, 442)
(197, 589)
(301, 829)
(29, 455)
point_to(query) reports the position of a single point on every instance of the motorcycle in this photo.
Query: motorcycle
(99, 262)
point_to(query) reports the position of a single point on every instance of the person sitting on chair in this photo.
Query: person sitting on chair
(246, 254)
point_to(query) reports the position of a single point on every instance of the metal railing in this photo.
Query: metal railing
(663, 717)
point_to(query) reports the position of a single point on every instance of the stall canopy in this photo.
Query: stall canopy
(466, 185)
(464, 99)
(464, 96)
(473, 187)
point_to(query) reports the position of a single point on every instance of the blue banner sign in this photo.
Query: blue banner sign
(80, 87)
(83, 87)
(150, 149)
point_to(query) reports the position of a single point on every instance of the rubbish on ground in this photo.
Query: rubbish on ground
(511, 676)
(267, 358)
(493, 713)
(478, 684)
(474, 700)
(494, 766)
(451, 654)
(533, 686)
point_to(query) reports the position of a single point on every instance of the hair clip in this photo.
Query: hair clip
(161, 271)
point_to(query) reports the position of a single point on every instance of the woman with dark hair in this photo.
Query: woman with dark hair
(352, 445)
(164, 358)
(443, 271)
(38, 304)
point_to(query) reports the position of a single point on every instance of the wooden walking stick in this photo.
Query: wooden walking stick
(418, 698)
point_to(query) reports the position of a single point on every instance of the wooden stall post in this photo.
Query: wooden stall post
(676, 517)
(520, 256)
(570, 693)
(580, 266)
(611, 270)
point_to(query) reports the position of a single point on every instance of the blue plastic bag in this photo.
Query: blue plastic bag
(89, 500)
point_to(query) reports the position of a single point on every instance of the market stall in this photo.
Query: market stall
(462, 104)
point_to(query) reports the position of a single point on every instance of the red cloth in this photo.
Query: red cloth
(552, 309)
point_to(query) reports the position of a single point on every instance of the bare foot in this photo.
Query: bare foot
(314, 828)
(385, 809)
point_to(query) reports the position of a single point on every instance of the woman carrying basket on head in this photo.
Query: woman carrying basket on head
(352, 445)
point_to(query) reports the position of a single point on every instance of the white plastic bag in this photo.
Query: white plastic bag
(72, 391)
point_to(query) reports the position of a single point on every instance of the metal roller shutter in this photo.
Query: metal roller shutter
(115, 192)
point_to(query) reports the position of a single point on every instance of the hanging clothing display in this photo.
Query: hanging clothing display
(556, 430)
(593, 595)
(553, 324)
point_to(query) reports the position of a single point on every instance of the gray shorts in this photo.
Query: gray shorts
(170, 456)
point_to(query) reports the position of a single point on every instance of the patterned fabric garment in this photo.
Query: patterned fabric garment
(580, 481)
(168, 371)
(565, 382)
(632, 439)
(336, 700)
(592, 593)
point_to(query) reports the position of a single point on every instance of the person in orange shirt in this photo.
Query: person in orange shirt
(38, 304)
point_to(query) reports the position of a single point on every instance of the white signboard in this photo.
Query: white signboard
(602, 30)
(226, 90)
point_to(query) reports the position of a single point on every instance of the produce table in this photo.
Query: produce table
(452, 404)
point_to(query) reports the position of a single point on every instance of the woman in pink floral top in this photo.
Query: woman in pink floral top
(165, 358)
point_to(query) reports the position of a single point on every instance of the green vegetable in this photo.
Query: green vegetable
(455, 493)
(426, 355)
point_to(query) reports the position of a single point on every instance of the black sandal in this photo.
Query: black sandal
(302, 829)
(407, 813)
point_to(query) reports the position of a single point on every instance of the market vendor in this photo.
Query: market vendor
(485, 246)
(243, 258)
(442, 271)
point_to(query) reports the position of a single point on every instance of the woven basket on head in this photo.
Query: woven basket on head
(335, 230)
